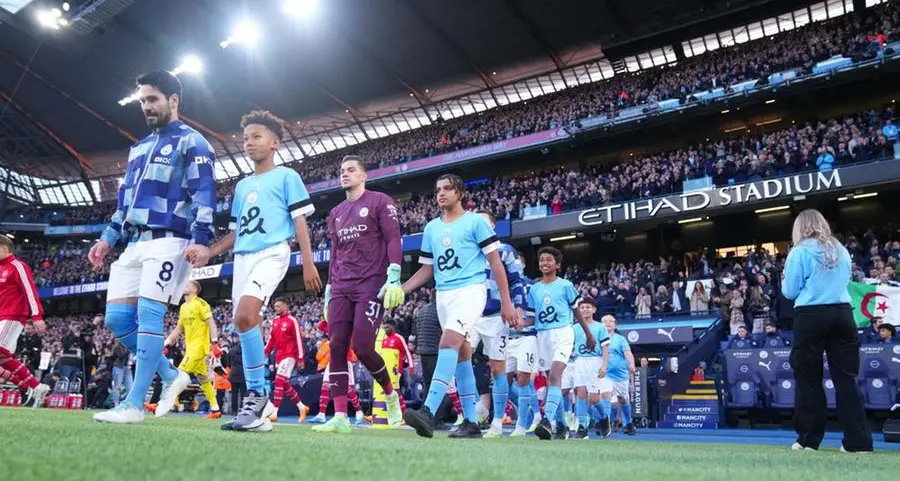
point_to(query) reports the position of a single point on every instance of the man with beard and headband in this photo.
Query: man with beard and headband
(363, 281)
(165, 207)
(270, 208)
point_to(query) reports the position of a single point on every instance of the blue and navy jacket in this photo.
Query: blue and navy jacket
(169, 189)
(514, 275)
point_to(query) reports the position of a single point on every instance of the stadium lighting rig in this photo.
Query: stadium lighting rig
(245, 32)
(54, 18)
(190, 64)
(300, 8)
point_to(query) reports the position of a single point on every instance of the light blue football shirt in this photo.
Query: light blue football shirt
(552, 304)
(264, 208)
(458, 250)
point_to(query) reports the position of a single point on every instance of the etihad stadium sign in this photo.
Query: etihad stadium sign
(712, 198)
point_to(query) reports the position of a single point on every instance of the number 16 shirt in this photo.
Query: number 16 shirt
(264, 209)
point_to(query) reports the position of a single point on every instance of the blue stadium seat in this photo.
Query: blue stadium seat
(879, 392)
(783, 390)
(744, 391)
(830, 396)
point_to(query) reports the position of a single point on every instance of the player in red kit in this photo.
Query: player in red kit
(363, 280)
(19, 302)
(286, 341)
(392, 340)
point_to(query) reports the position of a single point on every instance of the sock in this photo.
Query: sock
(554, 399)
(324, 396)
(291, 394)
(210, 393)
(19, 373)
(254, 357)
(468, 391)
(402, 403)
(595, 411)
(499, 395)
(149, 348)
(581, 412)
(440, 381)
(121, 320)
(626, 413)
(524, 406)
(566, 407)
(279, 391)
(354, 400)
(605, 409)
(535, 401)
(513, 393)
(457, 404)
(561, 414)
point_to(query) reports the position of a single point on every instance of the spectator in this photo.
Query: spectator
(736, 306)
(642, 303)
(742, 339)
(661, 301)
(679, 300)
(886, 333)
(699, 299)
(425, 340)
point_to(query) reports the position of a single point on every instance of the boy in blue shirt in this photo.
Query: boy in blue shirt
(551, 302)
(619, 376)
(454, 250)
(270, 208)
(590, 364)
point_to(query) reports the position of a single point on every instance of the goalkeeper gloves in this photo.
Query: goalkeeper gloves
(327, 300)
(392, 292)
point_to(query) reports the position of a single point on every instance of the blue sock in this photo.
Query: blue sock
(500, 394)
(468, 391)
(595, 412)
(254, 357)
(626, 413)
(605, 409)
(524, 407)
(581, 412)
(121, 320)
(535, 403)
(149, 348)
(513, 393)
(554, 399)
(444, 370)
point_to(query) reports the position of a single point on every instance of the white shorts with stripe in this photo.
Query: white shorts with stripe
(9, 335)
(351, 382)
(286, 367)
(155, 269)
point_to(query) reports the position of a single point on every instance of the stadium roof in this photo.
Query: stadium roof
(349, 62)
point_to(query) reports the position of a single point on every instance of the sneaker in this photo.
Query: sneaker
(421, 420)
(253, 413)
(394, 413)
(304, 411)
(603, 428)
(495, 431)
(519, 432)
(582, 433)
(843, 450)
(468, 430)
(124, 413)
(337, 425)
(570, 419)
(562, 432)
(320, 418)
(150, 408)
(459, 420)
(507, 421)
(630, 430)
(170, 393)
(535, 423)
(265, 427)
(482, 413)
(360, 417)
(800, 447)
(544, 430)
(214, 415)
(36, 396)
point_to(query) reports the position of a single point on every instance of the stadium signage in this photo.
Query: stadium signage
(700, 200)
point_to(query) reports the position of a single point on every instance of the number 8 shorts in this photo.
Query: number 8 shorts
(154, 269)
(258, 274)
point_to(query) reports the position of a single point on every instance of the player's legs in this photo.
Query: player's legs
(495, 336)
(340, 332)
(581, 411)
(366, 322)
(622, 393)
(18, 372)
(554, 348)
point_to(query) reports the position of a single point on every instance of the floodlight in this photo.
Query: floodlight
(47, 19)
(300, 8)
(190, 64)
(245, 32)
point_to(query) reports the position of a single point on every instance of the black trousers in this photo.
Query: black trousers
(238, 393)
(429, 362)
(827, 329)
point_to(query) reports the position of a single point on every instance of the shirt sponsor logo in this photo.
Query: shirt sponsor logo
(202, 159)
(352, 232)
(162, 160)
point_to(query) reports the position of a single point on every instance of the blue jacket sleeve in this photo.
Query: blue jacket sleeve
(514, 277)
(794, 275)
(113, 234)
(200, 159)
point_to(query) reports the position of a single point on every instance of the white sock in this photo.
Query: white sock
(340, 415)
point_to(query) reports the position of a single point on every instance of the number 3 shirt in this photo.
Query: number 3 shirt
(458, 250)
(552, 304)
(264, 208)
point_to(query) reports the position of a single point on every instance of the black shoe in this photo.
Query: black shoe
(629, 430)
(421, 420)
(582, 433)
(229, 426)
(544, 430)
(562, 432)
(466, 430)
(603, 429)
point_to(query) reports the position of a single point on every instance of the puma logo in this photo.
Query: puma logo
(258, 285)
(663, 332)
(894, 359)
(767, 365)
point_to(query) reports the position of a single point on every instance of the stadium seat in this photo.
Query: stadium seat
(879, 392)
(830, 395)
(744, 390)
(783, 390)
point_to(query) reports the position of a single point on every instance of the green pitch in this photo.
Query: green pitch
(49, 444)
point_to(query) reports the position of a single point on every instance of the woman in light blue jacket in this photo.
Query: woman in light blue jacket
(816, 275)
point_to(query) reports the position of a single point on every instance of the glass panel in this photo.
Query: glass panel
(525, 93)
(785, 22)
(848, 6)
(557, 81)
(835, 8)
(741, 35)
(712, 42)
(669, 53)
(698, 46)
(606, 69)
(686, 47)
(230, 169)
(631, 64)
(818, 12)
(570, 77)
(770, 26)
(801, 17)
(644, 60)
(755, 30)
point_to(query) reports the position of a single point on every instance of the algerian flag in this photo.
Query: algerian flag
(869, 301)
